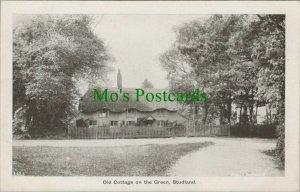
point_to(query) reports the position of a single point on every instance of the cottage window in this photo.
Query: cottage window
(130, 123)
(160, 123)
(114, 123)
(81, 123)
(93, 122)
(122, 123)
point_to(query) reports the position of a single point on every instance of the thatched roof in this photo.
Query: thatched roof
(88, 105)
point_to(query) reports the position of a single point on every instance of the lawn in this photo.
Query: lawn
(145, 160)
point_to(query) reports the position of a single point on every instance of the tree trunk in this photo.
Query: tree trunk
(221, 113)
(270, 116)
(245, 114)
(251, 114)
(205, 108)
(256, 113)
(240, 117)
(229, 108)
(267, 114)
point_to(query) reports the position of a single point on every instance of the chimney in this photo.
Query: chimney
(119, 80)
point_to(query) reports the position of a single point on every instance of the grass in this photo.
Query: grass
(145, 160)
(272, 153)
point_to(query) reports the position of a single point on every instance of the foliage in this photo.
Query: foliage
(50, 53)
(280, 145)
(19, 130)
(261, 131)
(235, 59)
(269, 53)
(147, 84)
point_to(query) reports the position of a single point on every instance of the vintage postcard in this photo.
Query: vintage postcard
(149, 96)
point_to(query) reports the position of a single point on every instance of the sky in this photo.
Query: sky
(135, 42)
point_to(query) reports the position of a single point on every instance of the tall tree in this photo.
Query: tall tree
(50, 53)
(233, 58)
(269, 53)
(203, 47)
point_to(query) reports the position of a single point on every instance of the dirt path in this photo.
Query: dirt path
(229, 157)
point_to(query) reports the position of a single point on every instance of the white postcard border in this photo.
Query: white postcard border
(29, 183)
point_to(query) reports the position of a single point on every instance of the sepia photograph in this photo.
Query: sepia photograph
(166, 97)
(237, 60)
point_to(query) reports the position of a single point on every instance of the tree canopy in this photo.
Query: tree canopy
(235, 59)
(50, 53)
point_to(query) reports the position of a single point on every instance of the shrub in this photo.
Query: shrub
(250, 130)
(19, 130)
(49, 133)
(280, 146)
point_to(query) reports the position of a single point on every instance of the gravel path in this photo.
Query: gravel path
(229, 157)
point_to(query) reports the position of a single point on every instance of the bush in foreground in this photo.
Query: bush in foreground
(280, 146)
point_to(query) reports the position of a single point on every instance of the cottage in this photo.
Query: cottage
(131, 113)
